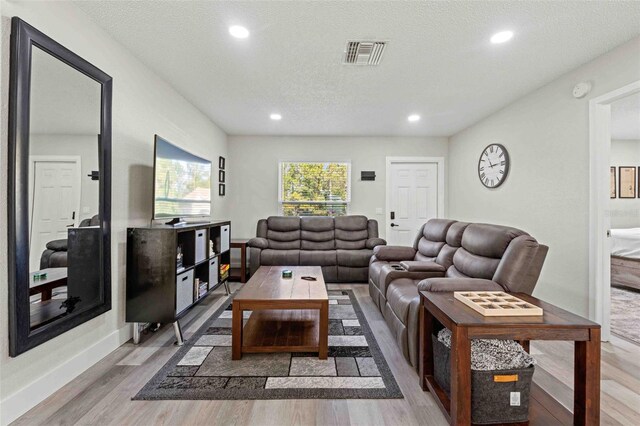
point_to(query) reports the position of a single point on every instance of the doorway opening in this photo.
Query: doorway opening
(612, 216)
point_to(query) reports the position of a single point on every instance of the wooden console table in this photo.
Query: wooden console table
(466, 324)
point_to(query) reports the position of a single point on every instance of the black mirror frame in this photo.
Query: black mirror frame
(23, 37)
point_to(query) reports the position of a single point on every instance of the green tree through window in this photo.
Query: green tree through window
(314, 189)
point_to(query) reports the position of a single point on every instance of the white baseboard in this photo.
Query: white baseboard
(37, 391)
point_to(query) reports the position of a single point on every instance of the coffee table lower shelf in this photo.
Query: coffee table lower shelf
(282, 330)
(293, 330)
(544, 410)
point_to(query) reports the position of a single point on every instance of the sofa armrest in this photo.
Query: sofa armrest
(394, 253)
(422, 266)
(458, 284)
(375, 242)
(258, 242)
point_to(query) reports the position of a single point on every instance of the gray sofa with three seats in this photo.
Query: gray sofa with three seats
(450, 256)
(342, 246)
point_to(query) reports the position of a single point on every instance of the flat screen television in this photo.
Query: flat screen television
(181, 184)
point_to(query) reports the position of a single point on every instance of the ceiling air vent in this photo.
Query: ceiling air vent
(364, 52)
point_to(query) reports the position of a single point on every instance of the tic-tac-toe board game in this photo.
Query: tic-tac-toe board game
(497, 303)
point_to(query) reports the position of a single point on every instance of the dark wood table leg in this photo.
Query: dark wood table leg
(243, 263)
(526, 345)
(46, 294)
(236, 331)
(425, 360)
(323, 338)
(460, 377)
(586, 396)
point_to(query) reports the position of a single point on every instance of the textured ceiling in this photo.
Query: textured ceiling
(625, 118)
(438, 63)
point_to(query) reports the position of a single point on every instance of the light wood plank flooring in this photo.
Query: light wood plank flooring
(102, 395)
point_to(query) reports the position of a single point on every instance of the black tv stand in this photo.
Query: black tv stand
(160, 289)
(176, 221)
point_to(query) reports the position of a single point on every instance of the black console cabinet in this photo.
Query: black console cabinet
(159, 290)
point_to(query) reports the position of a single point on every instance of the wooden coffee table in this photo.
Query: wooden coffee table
(466, 324)
(288, 314)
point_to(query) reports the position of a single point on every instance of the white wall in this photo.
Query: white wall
(625, 213)
(253, 170)
(143, 105)
(547, 191)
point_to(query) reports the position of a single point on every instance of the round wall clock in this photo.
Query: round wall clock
(493, 165)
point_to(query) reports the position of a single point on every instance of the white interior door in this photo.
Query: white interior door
(55, 200)
(412, 200)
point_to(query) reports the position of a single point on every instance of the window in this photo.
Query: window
(314, 189)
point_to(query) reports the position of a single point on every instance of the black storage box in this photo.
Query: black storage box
(491, 391)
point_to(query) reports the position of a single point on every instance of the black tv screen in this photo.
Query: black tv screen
(182, 182)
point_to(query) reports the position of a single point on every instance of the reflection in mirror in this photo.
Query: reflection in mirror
(65, 271)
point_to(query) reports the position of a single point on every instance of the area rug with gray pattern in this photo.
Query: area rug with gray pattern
(203, 369)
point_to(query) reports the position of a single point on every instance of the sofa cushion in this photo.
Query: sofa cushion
(351, 232)
(283, 223)
(354, 258)
(318, 257)
(455, 233)
(473, 265)
(429, 249)
(317, 233)
(283, 240)
(436, 229)
(271, 257)
(352, 223)
(488, 240)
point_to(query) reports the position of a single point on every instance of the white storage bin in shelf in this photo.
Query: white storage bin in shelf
(184, 290)
(224, 238)
(213, 272)
(201, 245)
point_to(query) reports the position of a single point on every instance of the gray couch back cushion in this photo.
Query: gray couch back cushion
(431, 239)
(482, 248)
(283, 233)
(317, 233)
(352, 232)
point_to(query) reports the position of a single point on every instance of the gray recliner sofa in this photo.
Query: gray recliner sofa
(342, 246)
(450, 256)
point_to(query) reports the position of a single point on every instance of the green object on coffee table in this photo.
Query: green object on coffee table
(287, 273)
(39, 275)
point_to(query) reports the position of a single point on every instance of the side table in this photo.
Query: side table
(466, 324)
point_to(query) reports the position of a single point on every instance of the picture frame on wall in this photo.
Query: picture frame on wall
(221, 162)
(613, 191)
(627, 182)
(221, 190)
(221, 176)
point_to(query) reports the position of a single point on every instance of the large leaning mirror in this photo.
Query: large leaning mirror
(59, 189)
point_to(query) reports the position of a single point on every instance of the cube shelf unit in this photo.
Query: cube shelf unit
(159, 290)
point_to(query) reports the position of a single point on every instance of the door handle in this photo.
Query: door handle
(394, 225)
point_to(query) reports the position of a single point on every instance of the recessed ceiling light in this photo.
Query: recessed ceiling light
(413, 118)
(501, 37)
(275, 117)
(238, 31)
